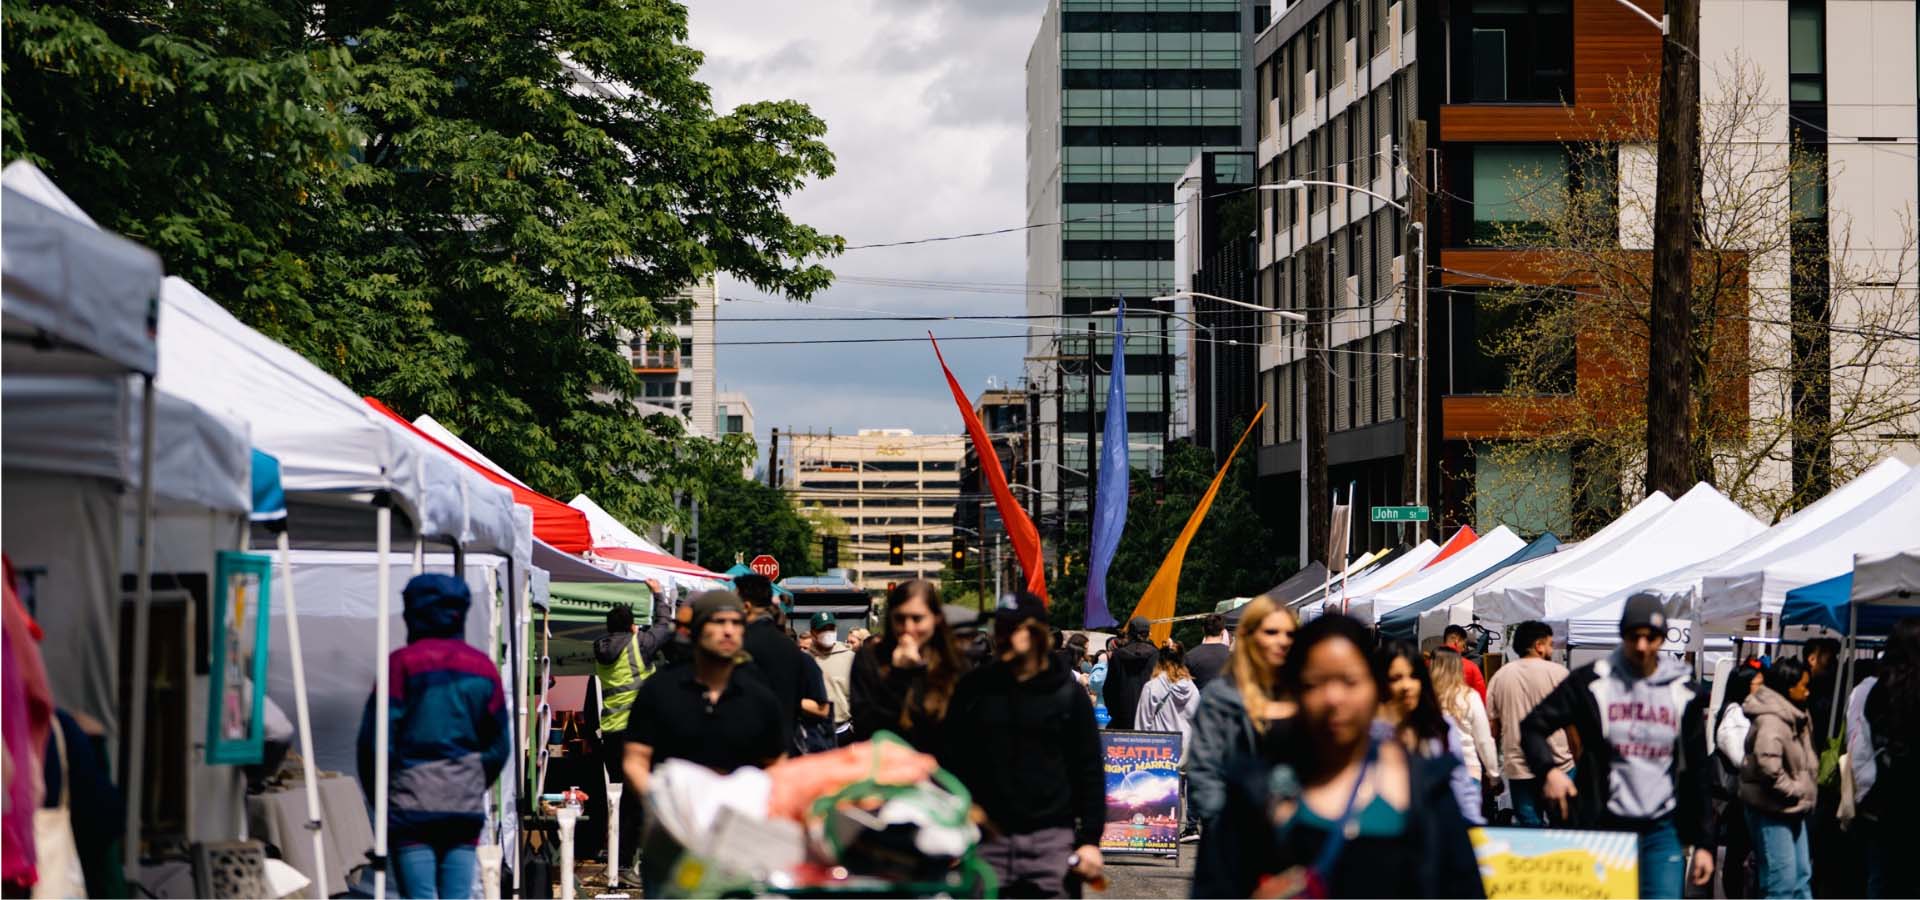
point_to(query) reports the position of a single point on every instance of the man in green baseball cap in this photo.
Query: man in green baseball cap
(836, 665)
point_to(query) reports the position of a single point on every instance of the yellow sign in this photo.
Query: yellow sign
(1556, 863)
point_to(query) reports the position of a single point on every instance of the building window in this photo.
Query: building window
(1516, 190)
(736, 424)
(1478, 327)
(1149, 22)
(1512, 51)
(1529, 490)
(1807, 51)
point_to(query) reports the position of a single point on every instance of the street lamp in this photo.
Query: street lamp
(1420, 327)
(1213, 368)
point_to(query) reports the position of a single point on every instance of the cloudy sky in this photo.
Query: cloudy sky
(925, 109)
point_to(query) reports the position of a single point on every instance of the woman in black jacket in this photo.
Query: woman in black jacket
(1020, 735)
(1341, 809)
(903, 681)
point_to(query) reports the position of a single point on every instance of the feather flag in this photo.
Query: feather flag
(1020, 531)
(1157, 602)
(1110, 501)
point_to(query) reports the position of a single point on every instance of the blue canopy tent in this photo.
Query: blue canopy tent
(1879, 592)
(740, 569)
(1404, 623)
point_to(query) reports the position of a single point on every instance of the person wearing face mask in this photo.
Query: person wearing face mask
(1020, 735)
(836, 666)
(1642, 764)
(1412, 713)
(1777, 778)
(902, 681)
(1341, 809)
(1242, 708)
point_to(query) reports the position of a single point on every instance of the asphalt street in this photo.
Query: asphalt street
(1138, 876)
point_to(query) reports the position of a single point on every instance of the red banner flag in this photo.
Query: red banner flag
(1020, 531)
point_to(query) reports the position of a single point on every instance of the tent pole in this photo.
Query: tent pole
(301, 716)
(135, 763)
(420, 557)
(383, 639)
(1845, 662)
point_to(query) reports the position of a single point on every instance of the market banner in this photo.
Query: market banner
(1557, 863)
(1157, 603)
(1143, 792)
(1110, 498)
(1020, 531)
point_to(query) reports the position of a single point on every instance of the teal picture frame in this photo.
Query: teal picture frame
(237, 681)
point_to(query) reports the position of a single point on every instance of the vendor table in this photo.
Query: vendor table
(279, 817)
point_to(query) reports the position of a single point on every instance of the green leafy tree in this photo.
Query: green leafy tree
(743, 518)
(465, 208)
(1232, 555)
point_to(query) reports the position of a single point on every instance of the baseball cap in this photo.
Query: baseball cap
(1017, 608)
(708, 604)
(822, 621)
(1643, 610)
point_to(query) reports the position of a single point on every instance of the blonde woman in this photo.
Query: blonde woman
(1243, 708)
(1461, 702)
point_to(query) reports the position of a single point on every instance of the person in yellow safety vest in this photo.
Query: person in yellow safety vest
(623, 658)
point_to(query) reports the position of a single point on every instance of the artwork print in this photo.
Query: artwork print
(238, 680)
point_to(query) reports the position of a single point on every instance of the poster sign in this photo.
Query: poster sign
(1557, 863)
(238, 686)
(1143, 792)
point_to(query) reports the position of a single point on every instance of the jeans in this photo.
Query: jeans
(1663, 864)
(1527, 809)
(435, 871)
(1780, 849)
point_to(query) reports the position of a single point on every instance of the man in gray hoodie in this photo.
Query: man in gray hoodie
(1642, 763)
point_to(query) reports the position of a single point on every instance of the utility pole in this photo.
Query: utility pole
(773, 459)
(1413, 354)
(1093, 412)
(1317, 502)
(1670, 364)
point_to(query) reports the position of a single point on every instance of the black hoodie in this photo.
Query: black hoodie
(1028, 750)
(1128, 671)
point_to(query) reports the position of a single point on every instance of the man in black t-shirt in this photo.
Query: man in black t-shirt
(792, 675)
(1210, 658)
(704, 712)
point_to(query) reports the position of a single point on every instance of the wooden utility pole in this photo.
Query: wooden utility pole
(1671, 465)
(1412, 354)
(1318, 502)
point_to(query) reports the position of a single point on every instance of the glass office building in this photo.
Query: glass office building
(1121, 96)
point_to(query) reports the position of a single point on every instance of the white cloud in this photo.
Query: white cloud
(925, 110)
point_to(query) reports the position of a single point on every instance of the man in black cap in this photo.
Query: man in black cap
(1020, 735)
(1128, 670)
(1642, 763)
(793, 676)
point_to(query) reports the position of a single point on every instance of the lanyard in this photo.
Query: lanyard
(1330, 851)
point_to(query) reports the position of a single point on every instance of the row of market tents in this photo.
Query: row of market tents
(1848, 563)
(148, 433)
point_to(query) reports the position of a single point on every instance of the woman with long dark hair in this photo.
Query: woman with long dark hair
(1729, 752)
(1777, 778)
(1343, 809)
(903, 681)
(1168, 700)
(1246, 706)
(1412, 708)
(1892, 718)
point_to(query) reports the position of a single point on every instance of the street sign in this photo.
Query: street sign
(1399, 514)
(766, 565)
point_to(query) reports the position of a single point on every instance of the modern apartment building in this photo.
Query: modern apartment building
(677, 375)
(1213, 254)
(1121, 96)
(1516, 100)
(883, 483)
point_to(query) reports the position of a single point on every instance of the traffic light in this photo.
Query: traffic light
(896, 551)
(829, 552)
(959, 553)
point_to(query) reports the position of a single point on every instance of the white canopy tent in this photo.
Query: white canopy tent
(1701, 523)
(77, 298)
(608, 532)
(1375, 578)
(1597, 622)
(1486, 551)
(1888, 577)
(1886, 522)
(1535, 572)
(1458, 609)
(344, 467)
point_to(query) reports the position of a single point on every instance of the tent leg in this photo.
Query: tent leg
(383, 639)
(304, 720)
(134, 764)
(420, 557)
(1845, 662)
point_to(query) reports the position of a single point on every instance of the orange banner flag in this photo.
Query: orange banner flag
(1157, 602)
(1020, 531)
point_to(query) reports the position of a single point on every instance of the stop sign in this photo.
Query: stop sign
(766, 565)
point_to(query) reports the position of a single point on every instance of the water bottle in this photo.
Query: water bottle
(1100, 715)
(574, 799)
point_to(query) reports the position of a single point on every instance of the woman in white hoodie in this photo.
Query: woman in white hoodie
(1170, 696)
(1477, 751)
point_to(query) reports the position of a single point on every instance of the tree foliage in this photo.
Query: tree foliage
(465, 208)
(1232, 555)
(1766, 346)
(742, 518)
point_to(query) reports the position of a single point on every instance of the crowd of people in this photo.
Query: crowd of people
(1319, 759)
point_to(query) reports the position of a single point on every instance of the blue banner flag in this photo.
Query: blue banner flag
(1110, 497)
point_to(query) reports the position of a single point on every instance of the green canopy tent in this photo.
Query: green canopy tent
(577, 616)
